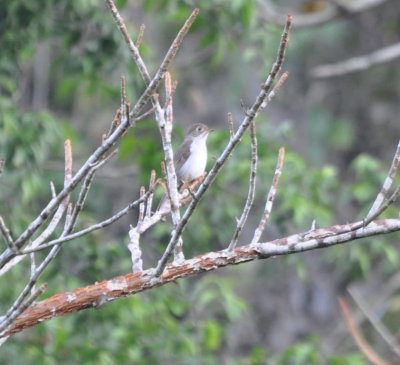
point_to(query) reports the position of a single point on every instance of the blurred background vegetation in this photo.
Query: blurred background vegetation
(59, 78)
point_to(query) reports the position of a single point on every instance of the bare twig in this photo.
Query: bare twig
(140, 35)
(92, 228)
(17, 311)
(172, 51)
(85, 189)
(271, 197)
(277, 86)
(57, 216)
(355, 332)
(134, 248)
(131, 45)
(53, 190)
(150, 199)
(144, 115)
(386, 204)
(376, 323)
(387, 184)
(33, 267)
(6, 234)
(357, 64)
(252, 187)
(230, 124)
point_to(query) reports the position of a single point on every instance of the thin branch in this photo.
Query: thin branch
(150, 199)
(33, 267)
(6, 234)
(90, 229)
(85, 189)
(140, 36)
(57, 215)
(277, 86)
(134, 248)
(271, 197)
(357, 64)
(251, 115)
(53, 190)
(131, 45)
(230, 125)
(252, 187)
(144, 115)
(387, 184)
(142, 205)
(121, 286)
(172, 51)
(384, 206)
(17, 312)
(376, 323)
(355, 332)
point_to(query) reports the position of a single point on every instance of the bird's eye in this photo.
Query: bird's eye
(199, 129)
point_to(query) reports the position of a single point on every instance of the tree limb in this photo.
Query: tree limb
(122, 286)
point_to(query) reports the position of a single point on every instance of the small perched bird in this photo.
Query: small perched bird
(190, 159)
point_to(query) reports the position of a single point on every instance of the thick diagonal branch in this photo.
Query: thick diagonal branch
(121, 286)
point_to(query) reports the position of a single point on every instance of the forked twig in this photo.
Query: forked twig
(6, 234)
(252, 187)
(271, 197)
(387, 183)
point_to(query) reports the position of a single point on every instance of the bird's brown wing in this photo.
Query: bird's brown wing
(181, 155)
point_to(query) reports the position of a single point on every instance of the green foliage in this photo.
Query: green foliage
(26, 142)
(155, 327)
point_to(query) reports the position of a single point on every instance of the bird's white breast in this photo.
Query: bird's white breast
(195, 165)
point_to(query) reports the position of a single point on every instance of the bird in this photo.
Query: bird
(190, 158)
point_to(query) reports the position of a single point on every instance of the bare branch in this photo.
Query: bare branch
(92, 228)
(6, 234)
(384, 206)
(252, 187)
(53, 190)
(387, 184)
(8, 320)
(251, 115)
(134, 248)
(57, 215)
(82, 298)
(230, 125)
(271, 197)
(150, 199)
(85, 190)
(131, 45)
(140, 35)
